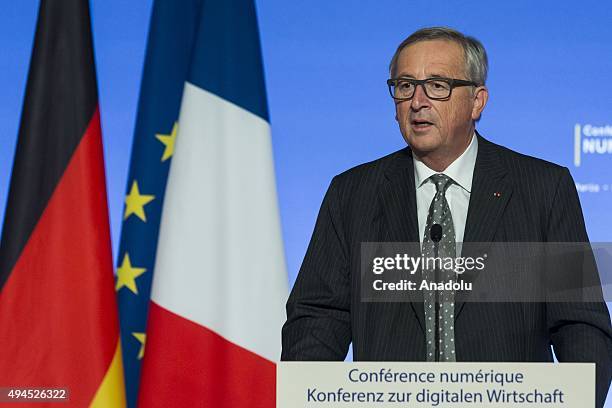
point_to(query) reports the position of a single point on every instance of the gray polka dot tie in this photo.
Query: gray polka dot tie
(440, 314)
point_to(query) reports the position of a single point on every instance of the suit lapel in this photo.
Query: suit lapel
(488, 199)
(398, 200)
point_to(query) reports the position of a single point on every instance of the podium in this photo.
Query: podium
(422, 384)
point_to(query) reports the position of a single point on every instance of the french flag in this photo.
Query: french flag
(220, 283)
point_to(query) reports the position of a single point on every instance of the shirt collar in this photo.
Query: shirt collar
(461, 170)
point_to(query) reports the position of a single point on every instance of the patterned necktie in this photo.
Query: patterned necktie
(442, 333)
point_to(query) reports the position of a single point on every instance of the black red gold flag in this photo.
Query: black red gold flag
(58, 314)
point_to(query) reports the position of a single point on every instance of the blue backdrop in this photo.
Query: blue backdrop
(326, 66)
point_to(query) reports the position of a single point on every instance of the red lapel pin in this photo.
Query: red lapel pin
(497, 194)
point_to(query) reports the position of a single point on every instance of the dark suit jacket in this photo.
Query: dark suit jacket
(376, 202)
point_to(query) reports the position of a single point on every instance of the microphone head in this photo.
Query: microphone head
(435, 232)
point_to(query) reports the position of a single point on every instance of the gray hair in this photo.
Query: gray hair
(476, 62)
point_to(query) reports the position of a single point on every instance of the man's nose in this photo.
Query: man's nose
(420, 99)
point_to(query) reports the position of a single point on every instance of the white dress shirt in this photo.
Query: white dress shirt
(461, 171)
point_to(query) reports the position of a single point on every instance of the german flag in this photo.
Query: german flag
(58, 313)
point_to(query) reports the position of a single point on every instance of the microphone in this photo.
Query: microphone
(435, 233)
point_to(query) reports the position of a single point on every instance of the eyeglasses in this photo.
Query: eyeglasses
(402, 89)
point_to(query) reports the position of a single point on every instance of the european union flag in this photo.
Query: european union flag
(169, 47)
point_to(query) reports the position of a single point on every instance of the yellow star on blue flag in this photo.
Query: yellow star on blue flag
(127, 274)
(135, 202)
(142, 338)
(168, 142)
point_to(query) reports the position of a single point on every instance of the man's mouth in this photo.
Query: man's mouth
(420, 124)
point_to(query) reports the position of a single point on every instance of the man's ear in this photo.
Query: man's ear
(481, 96)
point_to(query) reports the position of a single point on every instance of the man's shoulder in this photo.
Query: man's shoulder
(375, 170)
(518, 166)
(521, 165)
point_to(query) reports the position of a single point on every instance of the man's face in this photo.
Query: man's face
(431, 127)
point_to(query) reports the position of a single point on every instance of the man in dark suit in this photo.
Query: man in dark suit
(476, 191)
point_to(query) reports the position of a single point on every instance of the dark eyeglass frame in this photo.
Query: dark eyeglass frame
(452, 83)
